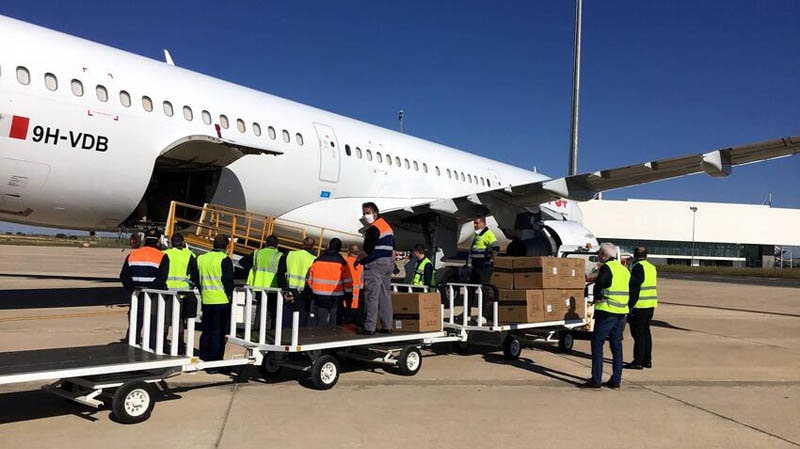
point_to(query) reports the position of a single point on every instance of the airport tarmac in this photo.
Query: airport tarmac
(726, 374)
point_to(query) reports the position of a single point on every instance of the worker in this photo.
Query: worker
(424, 273)
(481, 254)
(216, 291)
(183, 275)
(610, 308)
(329, 284)
(267, 269)
(145, 267)
(643, 301)
(353, 307)
(378, 260)
(296, 299)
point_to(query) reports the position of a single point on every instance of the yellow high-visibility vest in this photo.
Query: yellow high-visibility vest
(615, 297)
(210, 267)
(648, 294)
(179, 267)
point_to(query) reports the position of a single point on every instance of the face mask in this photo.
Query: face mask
(369, 218)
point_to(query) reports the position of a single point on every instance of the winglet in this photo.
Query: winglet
(717, 163)
(168, 57)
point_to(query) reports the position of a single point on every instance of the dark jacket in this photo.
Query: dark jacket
(635, 285)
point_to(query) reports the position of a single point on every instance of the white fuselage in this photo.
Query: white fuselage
(86, 161)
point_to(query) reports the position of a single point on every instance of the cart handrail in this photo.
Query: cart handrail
(146, 296)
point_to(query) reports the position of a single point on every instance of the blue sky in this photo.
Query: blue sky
(659, 79)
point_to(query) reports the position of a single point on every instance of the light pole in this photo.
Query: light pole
(694, 214)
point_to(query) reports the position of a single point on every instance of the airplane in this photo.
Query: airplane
(93, 137)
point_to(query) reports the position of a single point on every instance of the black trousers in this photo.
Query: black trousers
(640, 331)
(216, 319)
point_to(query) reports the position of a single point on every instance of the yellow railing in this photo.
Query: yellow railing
(247, 230)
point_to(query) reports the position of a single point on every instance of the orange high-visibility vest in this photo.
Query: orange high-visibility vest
(329, 278)
(385, 244)
(143, 264)
(356, 274)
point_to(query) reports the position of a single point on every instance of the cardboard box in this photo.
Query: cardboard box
(536, 272)
(503, 272)
(416, 312)
(564, 304)
(571, 273)
(520, 306)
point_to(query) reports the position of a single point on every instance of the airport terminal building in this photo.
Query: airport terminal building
(698, 233)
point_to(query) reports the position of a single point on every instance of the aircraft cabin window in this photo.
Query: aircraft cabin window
(416, 166)
(369, 155)
(223, 121)
(299, 138)
(206, 117)
(256, 129)
(438, 172)
(23, 75)
(101, 92)
(347, 149)
(125, 98)
(168, 109)
(469, 178)
(358, 152)
(388, 159)
(50, 81)
(425, 167)
(397, 161)
(147, 103)
(77, 88)
(240, 125)
(449, 176)
(463, 179)
(407, 164)
(188, 114)
(285, 135)
(378, 157)
(271, 132)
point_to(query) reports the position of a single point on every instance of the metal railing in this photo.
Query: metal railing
(141, 337)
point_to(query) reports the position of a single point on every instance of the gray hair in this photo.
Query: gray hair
(609, 249)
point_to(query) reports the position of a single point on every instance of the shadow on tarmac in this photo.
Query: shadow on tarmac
(529, 365)
(61, 297)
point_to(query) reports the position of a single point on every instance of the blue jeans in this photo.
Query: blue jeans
(610, 326)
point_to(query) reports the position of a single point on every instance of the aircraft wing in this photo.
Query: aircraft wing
(506, 201)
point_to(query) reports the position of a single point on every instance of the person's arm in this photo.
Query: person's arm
(193, 272)
(281, 274)
(428, 274)
(246, 262)
(635, 285)
(125, 277)
(227, 276)
(602, 282)
(370, 241)
(163, 273)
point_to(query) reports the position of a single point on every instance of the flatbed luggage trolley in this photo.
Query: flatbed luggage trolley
(125, 376)
(319, 350)
(513, 335)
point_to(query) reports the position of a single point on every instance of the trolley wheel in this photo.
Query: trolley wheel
(409, 361)
(325, 372)
(269, 367)
(512, 348)
(461, 347)
(132, 403)
(565, 341)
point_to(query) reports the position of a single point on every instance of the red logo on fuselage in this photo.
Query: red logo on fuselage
(19, 127)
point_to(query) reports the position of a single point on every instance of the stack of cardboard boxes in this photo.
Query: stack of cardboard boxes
(539, 289)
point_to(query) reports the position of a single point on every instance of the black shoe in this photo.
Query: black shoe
(633, 365)
(648, 365)
(384, 331)
(362, 331)
(590, 385)
(612, 385)
(213, 371)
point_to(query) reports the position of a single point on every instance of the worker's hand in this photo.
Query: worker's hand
(288, 296)
(356, 263)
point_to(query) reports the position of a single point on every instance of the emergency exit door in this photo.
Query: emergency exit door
(329, 159)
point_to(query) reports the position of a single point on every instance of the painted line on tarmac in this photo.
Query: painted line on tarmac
(57, 317)
(761, 312)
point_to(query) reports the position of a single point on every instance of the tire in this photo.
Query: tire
(565, 341)
(269, 367)
(325, 372)
(512, 348)
(409, 361)
(132, 403)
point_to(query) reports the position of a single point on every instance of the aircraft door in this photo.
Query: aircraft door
(329, 159)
